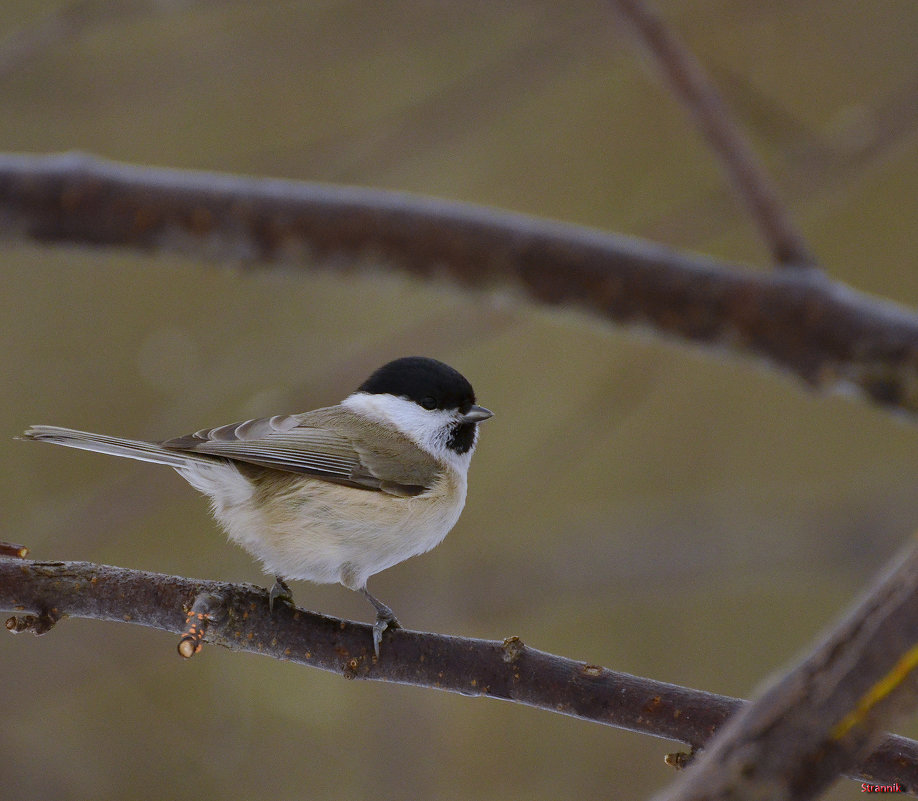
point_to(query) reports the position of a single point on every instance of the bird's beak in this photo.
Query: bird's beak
(477, 414)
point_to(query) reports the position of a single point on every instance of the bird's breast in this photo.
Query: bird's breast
(301, 527)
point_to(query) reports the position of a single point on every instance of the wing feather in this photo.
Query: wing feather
(333, 444)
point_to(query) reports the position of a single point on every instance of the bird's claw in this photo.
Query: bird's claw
(383, 621)
(279, 592)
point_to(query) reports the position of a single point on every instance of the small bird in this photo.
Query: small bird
(336, 494)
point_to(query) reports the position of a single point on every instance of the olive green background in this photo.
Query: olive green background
(635, 503)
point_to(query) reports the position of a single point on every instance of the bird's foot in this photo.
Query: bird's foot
(385, 619)
(279, 592)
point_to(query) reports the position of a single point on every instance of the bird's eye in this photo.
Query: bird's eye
(429, 402)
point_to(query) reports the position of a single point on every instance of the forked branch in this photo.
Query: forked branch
(826, 714)
(729, 144)
(798, 320)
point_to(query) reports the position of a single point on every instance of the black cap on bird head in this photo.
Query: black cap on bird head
(428, 382)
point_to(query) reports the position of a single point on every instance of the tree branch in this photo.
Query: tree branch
(696, 90)
(826, 714)
(40, 593)
(823, 332)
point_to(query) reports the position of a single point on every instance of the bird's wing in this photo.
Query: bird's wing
(331, 444)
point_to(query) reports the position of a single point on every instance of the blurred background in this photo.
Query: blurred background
(634, 503)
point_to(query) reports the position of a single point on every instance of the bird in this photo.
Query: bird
(336, 494)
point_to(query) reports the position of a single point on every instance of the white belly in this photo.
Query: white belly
(306, 528)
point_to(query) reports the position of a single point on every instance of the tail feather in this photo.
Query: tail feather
(115, 446)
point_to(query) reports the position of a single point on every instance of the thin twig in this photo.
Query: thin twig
(692, 85)
(508, 670)
(206, 609)
(11, 549)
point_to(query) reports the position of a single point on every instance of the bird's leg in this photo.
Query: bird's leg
(279, 592)
(385, 619)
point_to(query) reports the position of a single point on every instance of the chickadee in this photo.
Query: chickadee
(337, 494)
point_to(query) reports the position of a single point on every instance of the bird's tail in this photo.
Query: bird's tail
(115, 446)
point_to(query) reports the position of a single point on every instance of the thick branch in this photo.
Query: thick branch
(825, 715)
(508, 670)
(823, 332)
(696, 90)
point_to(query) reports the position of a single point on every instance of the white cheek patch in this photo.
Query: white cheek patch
(430, 430)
